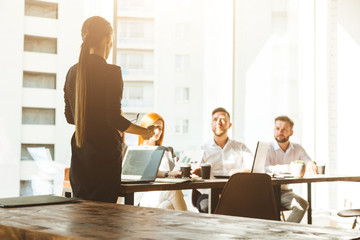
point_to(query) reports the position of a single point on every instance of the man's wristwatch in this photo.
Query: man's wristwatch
(166, 174)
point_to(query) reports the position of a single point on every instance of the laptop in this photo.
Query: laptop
(258, 165)
(141, 164)
(260, 157)
(35, 201)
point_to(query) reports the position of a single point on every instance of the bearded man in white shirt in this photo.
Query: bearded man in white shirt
(225, 155)
(281, 153)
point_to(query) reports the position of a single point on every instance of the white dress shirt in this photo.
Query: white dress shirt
(278, 161)
(234, 155)
(276, 156)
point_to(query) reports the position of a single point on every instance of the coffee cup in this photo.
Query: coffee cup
(205, 170)
(297, 168)
(321, 169)
(185, 169)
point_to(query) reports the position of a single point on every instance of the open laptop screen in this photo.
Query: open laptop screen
(142, 163)
(260, 157)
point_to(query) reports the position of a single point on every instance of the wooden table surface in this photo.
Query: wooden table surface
(217, 185)
(220, 183)
(93, 220)
(316, 178)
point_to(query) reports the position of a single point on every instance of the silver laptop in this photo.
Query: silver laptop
(260, 157)
(141, 163)
(258, 165)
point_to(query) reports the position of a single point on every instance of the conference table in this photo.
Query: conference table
(216, 186)
(95, 220)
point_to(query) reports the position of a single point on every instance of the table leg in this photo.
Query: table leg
(309, 201)
(129, 198)
(277, 194)
(214, 199)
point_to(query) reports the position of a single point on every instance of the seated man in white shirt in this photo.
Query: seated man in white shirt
(226, 156)
(281, 153)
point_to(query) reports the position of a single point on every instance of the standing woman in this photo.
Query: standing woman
(93, 92)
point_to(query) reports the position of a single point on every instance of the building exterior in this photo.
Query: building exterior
(159, 47)
(38, 47)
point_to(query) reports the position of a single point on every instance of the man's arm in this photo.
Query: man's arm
(310, 165)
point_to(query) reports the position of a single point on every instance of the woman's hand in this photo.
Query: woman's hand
(311, 168)
(242, 170)
(197, 172)
(175, 173)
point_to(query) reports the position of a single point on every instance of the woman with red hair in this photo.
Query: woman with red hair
(167, 199)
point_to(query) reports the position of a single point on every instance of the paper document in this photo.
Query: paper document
(193, 157)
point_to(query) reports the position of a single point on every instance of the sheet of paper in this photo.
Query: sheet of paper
(38, 153)
(193, 157)
(43, 159)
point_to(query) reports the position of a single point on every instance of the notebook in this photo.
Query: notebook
(35, 200)
(141, 164)
(259, 159)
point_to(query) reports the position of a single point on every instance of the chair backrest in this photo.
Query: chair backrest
(67, 174)
(67, 192)
(248, 195)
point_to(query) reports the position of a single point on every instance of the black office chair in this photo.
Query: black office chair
(350, 213)
(248, 195)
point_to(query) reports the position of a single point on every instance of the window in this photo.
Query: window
(182, 94)
(135, 31)
(40, 44)
(182, 126)
(182, 62)
(42, 116)
(25, 155)
(136, 62)
(184, 3)
(136, 5)
(138, 94)
(41, 9)
(182, 30)
(39, 80)
(36, 186)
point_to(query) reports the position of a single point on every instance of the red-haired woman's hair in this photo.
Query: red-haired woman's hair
(149, 119)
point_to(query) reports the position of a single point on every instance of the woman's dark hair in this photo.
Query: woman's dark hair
(93, 31)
